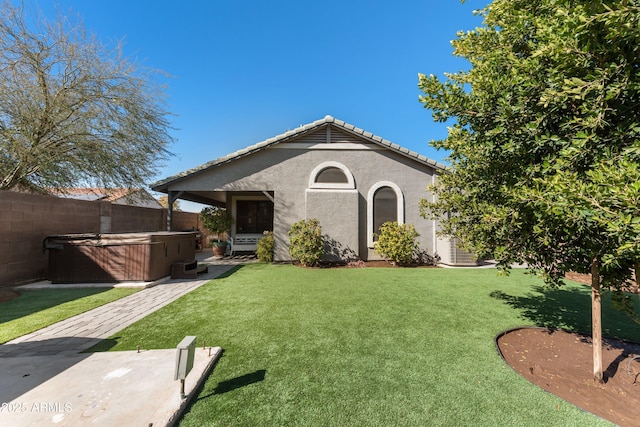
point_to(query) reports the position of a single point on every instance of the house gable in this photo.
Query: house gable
(336, 134)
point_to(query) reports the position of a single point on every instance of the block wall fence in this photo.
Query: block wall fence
(27, 219)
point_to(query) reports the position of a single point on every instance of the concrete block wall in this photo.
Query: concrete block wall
(132, 219)
(26, 219)
(183, 221)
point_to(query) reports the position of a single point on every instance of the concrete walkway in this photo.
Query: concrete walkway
(46, 381)
(81, 332)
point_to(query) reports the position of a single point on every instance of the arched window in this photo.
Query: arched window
(385, 202)
(331, 175)
(385, 207)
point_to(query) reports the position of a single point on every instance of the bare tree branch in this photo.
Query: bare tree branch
(73, 111)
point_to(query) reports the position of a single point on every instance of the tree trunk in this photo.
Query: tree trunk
(596, 321)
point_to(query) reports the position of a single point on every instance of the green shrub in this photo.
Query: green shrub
(397, 243)
(306, 243)
(265, 246)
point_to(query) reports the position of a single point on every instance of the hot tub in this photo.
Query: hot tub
(95, 258)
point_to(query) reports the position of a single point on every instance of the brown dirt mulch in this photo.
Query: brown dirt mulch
(562, 363)
(8, 294)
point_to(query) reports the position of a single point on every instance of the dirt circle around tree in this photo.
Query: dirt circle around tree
(561, 363)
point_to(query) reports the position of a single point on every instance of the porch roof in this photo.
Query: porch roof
(163, 185)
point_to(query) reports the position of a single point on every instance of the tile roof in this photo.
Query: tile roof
(93, 193)
(294, 133)
(132, 196)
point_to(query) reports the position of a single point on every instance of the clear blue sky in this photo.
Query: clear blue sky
(244, 71)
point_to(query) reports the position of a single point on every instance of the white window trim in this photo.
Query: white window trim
(399, 212)
(350, 184)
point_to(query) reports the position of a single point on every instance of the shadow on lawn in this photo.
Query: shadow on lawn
(234, 384)
(238, 382)
(32, 301)
(229, 385)
(570, 309)
(552, 308)
(229, 272)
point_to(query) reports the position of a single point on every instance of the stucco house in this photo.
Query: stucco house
(349, 179)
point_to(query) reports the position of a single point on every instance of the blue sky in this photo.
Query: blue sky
(244, 71)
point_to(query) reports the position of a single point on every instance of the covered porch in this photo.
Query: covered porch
(252, 212)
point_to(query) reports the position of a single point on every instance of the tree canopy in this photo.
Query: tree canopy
(72, 111)
(545, 147)
(164, 201)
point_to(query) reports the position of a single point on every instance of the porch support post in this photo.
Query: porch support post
(171, 198)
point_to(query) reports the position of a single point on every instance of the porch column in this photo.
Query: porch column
(171, 198)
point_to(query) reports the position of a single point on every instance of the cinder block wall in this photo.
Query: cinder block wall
(132, 219)
(26, 219)
(183, 221)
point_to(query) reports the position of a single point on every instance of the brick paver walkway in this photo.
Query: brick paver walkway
(81, 332)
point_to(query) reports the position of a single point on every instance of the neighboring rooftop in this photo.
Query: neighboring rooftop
(121, 196)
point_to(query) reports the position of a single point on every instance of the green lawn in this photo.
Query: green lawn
(369, 347)
(36, 309)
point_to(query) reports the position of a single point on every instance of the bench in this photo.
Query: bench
(246, 242)
(187, 269)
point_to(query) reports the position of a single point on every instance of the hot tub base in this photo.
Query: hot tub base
(106, 258)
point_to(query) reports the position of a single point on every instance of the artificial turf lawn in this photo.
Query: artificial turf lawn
(36, 309)
(369, 347)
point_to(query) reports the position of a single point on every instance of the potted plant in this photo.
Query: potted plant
(217, 220)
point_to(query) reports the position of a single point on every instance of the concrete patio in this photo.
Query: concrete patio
(45, 380)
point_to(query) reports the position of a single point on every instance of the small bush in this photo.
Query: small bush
(397, 243)
(265, 246)
(306, 243)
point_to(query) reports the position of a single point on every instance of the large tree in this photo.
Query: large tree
(545, 146)
(72, 111)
